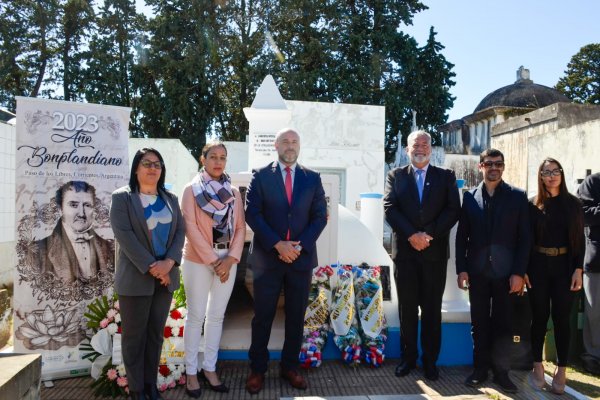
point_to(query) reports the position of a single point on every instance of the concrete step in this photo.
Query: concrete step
(20, 376)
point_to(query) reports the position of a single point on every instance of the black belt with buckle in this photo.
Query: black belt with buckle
(221, 246)
(551, 251)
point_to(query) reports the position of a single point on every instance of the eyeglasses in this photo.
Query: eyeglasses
(546, 173)
(151, 164)
(489, 164)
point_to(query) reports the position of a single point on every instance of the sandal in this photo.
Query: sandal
(536, 381)
(558, 387)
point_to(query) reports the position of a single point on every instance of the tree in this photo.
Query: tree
(111, 56)
(42, 46)
(582, 80)
(302, 48)
(77, 17)
(242, 63)
(378, 62)
(28, 48)
(189, 71)
(355, 52)
(177, 80)
(433, 85)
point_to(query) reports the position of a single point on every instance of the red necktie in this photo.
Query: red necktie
(288, 184)
(288, 191)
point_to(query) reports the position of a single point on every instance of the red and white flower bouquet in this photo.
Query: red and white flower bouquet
(104, 349)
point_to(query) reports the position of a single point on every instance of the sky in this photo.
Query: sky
(487, 41)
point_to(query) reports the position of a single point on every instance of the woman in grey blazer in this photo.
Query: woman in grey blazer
(150, 231)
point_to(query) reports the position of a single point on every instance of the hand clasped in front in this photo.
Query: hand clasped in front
(420, 240)
(160, 270)
(288, 250)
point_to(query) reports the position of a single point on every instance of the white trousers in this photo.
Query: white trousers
(206, 298)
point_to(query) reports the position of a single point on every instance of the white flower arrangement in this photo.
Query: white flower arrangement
(104, 347)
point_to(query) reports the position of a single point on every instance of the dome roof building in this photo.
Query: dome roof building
(522, 94)
(471, 134)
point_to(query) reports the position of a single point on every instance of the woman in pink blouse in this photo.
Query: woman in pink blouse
(215, 231)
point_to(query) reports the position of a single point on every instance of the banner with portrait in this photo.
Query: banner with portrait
(70, 157)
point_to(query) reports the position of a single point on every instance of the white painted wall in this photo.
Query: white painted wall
(576, 148)
(237, 157)
(346, 140)
(567, 132)
(7, 182)
(8, 255)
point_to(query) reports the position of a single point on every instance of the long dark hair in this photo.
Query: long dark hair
(133, 182)
(570, 203)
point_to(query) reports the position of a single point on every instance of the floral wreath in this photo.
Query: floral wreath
(360, 288)
(103, 349)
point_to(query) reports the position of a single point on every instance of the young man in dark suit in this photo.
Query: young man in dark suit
(421, 205)
(492, 250)
(287, 212)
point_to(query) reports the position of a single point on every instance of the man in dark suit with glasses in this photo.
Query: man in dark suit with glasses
(492, 250)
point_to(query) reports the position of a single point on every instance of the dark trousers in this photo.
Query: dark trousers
(491, 325)
(420, 284)
(550, 292)
(143, 321)
(267, 287)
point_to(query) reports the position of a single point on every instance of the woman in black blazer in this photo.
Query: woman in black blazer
(150, 232)
(555, 269)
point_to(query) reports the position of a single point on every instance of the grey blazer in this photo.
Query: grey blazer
(135, 252)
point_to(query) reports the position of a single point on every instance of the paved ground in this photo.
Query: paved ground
(333, 381)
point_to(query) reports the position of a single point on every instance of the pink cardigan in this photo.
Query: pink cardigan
(198, 230)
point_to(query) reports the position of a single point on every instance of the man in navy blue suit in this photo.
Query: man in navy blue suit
(492, 250)
(287, 211)
(421, 205)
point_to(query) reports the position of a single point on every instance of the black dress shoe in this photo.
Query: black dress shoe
(222, 388)
(404, 368)
(477, 378)
(502, 379)
(431, 372)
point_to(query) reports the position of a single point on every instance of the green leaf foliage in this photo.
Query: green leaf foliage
(581, 82)
(98, 310)
(356, 52)
(29, 45)
(189, 69)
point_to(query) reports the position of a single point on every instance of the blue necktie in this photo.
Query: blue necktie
(420, 183)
